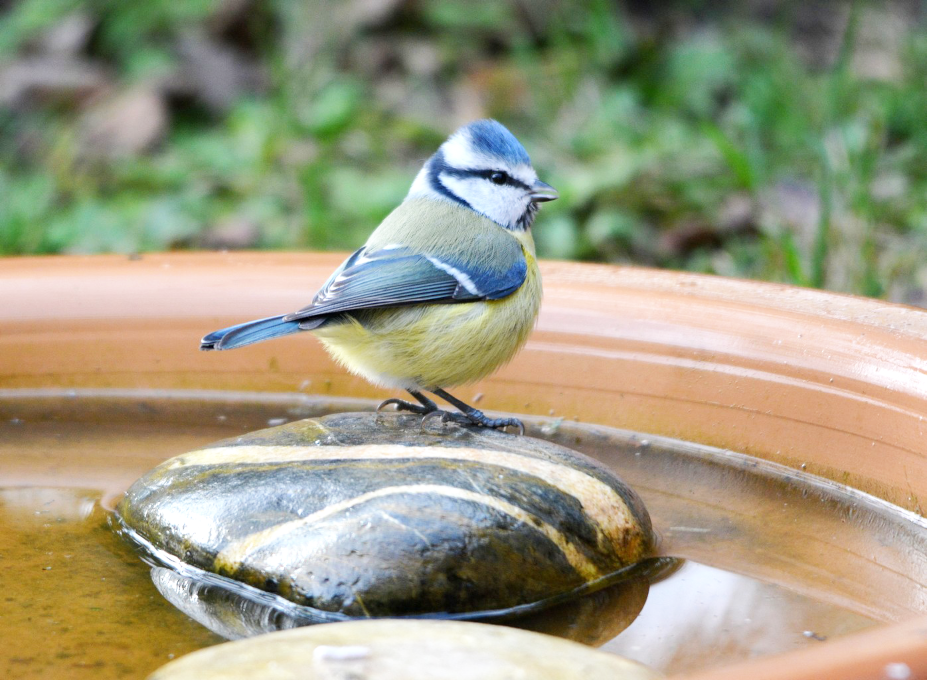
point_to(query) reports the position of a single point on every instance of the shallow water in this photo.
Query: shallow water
(775, 560)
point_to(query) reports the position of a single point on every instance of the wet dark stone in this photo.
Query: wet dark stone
(365, 515)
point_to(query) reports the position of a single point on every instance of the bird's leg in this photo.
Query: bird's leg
(474, 416)
(427, 405)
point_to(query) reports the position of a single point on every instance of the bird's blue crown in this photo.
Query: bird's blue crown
(493, 139)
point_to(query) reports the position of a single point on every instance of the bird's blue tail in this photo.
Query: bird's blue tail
(249, 333)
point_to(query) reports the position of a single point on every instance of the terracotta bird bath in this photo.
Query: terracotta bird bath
(819, 384)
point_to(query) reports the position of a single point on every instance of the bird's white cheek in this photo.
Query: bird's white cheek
(502, 204)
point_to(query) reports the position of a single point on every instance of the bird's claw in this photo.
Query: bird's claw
(403, 405)
(446, 417)
(478, 419)
(502, 423)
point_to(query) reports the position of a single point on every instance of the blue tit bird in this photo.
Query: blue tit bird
(445, 291)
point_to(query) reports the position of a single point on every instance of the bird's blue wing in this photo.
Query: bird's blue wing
(396, 276)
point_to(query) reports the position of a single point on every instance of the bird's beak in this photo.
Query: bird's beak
(542, 192)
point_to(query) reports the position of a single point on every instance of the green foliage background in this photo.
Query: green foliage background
(695, 135)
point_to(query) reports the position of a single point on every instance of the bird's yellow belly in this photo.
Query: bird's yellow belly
(430, 346)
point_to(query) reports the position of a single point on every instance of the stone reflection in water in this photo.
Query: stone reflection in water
(235, 611)
(597, 617)
(225, 610)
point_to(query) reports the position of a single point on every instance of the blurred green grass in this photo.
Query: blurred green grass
(677, 137)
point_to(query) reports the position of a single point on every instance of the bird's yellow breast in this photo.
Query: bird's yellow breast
(437, 345)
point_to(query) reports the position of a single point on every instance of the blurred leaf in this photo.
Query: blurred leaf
(466, 14)
(166, 222)
(792, 259)
(557, 237)
(149, 62)
(366, 197)
(26, 19)
(127, 23)
(616, 119)
(333, 108)
(25, 204)
(93, 227)
(737, 159)
(610, 225)
(697, 70)
(606, 32)
(609, 173)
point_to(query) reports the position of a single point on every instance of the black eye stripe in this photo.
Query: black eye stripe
(485, 174)
(508, 179)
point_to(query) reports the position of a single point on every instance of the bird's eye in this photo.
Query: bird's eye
(498, 177)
